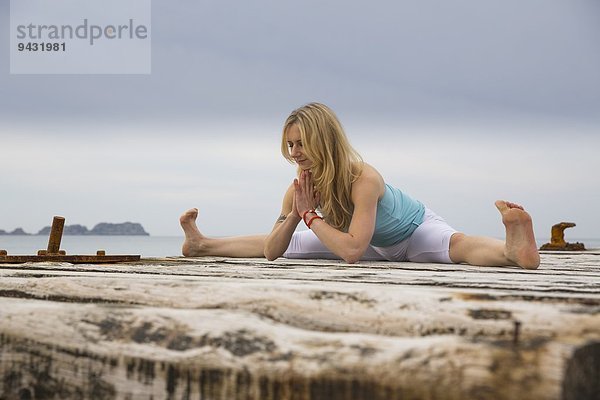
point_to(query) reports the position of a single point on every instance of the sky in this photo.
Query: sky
(458, 103)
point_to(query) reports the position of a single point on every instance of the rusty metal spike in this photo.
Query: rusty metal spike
(56, 232)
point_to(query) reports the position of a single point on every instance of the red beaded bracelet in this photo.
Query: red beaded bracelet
(310, 221)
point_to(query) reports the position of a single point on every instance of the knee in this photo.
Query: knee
(457, 241)
(457, 238)
(456, 250)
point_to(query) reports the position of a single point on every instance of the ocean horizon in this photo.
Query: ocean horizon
(146, 246)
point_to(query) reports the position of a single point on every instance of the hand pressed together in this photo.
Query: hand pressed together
(305, 196)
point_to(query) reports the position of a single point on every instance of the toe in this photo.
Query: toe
(502, 205)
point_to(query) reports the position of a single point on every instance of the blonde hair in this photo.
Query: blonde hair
(335, 163)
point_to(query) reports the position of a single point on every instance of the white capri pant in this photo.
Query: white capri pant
(430, 242)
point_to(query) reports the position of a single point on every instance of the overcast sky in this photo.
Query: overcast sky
(458, 103)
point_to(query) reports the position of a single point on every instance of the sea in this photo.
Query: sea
(145, 246)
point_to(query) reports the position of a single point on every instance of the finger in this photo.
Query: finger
(297, 189)
(294, 209)
(303, 182)
(298, 193)
(308, 185)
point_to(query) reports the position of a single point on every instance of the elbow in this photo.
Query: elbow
(353, 256)
(275, 246)
(270, 254)
(354, 252)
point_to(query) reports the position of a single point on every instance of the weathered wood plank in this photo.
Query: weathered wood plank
(214, 328)
(73, 259)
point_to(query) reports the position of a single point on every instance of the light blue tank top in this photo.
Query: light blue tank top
(398, 215)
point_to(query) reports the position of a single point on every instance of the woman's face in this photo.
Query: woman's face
(294, 141)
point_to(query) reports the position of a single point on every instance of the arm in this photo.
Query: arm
(279, 239)
(365, 194)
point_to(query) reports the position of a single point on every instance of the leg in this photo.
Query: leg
(305, 244)
(196, 244)
(430, 242)
(519, 249)
(478, 250)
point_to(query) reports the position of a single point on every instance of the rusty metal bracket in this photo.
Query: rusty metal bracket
(557, 240)
(53, 252)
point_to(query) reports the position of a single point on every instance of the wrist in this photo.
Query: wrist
(294, 217)
(306, 215)
(310, 218)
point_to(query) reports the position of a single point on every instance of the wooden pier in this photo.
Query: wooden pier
(221, 329)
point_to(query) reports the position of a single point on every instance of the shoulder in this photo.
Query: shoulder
(369, 180)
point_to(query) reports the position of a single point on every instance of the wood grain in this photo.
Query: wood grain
(218, 328)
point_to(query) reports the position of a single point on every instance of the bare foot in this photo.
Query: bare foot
(193, 246)
(521, 247)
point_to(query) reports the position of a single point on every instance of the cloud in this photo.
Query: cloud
(457, 103)
(404, 59)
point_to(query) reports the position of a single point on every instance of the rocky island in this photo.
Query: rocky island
(18, 231)
(103, 228)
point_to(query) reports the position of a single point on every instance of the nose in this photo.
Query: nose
(295, 151)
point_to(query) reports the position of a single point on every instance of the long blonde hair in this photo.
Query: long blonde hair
(335, 163)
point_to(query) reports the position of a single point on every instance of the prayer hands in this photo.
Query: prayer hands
(305, 196)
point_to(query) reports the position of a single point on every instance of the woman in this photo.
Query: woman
(354, 215)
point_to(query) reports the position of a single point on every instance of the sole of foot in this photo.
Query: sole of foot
(521, 247)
